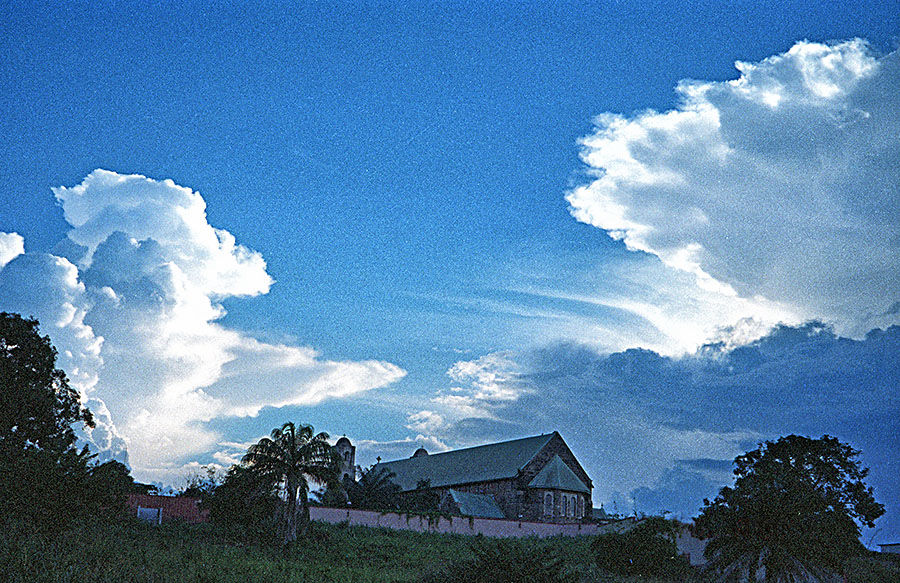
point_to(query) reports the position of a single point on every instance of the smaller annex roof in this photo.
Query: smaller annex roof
(464, 466)
(556, 475)
(479, 505)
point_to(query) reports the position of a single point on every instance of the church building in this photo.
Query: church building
(535, 479)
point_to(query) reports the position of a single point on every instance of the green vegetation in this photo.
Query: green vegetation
(293, 454)
(505, 561)
(373, 491)
(793, 511)
(126, 550)
(647, 550)
(115, 551)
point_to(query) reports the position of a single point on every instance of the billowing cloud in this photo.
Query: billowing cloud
(465, 412)
(11, 245)
(47, 287)
(133, 308)
(780, 187)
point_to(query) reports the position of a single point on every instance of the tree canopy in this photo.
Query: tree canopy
(794, 510)
(293, 454)
(37, 405)
(45, 478)
(374, 490)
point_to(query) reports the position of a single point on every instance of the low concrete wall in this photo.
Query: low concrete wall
(688, 546)
(453, 525)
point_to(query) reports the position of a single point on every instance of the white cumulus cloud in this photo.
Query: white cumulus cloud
(781, 186)
(133, 309)
(11, 245)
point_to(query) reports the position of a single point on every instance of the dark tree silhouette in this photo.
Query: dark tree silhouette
(793, 513)
(37, 405)
(423, 499)
(43, 477)
(244, 504)
(287, 460)
(647, 550)
(374, 490)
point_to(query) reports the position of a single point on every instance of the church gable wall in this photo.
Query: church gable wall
(555, 446)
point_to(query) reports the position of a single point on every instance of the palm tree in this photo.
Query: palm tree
(375, 490)
(292, 455)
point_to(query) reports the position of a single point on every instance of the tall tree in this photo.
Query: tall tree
(287, 460)
(37, 405)
(43, 477)
(793, 513)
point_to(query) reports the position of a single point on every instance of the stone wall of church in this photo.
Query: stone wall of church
(503, 491)
(518, 502)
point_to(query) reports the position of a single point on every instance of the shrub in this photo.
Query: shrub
(243, 506)
(647, 550)
(503, 561)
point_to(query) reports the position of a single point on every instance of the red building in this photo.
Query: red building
(159, 509)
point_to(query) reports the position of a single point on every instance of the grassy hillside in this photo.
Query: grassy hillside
(132, 551)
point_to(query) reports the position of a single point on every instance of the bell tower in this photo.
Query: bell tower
(347, 451)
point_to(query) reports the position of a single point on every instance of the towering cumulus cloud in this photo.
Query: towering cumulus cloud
(783, 184)
(131, 301)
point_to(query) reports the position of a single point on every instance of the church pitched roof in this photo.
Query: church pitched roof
(556, 475)
(483, 463)
(480, 505)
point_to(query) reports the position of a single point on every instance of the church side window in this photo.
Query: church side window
(548, 504)
(565, 509)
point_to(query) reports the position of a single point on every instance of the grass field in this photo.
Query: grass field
(130, 551)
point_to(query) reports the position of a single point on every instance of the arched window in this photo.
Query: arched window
(548, 504)
(565, 508)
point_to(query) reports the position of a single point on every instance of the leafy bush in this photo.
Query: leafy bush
(503, 561)
(243, 506)
(647, 550)
(422, 500)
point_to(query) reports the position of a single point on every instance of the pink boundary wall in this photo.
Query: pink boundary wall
(454, 525)
(688, 545)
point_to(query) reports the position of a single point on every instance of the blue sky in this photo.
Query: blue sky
(450, 224)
